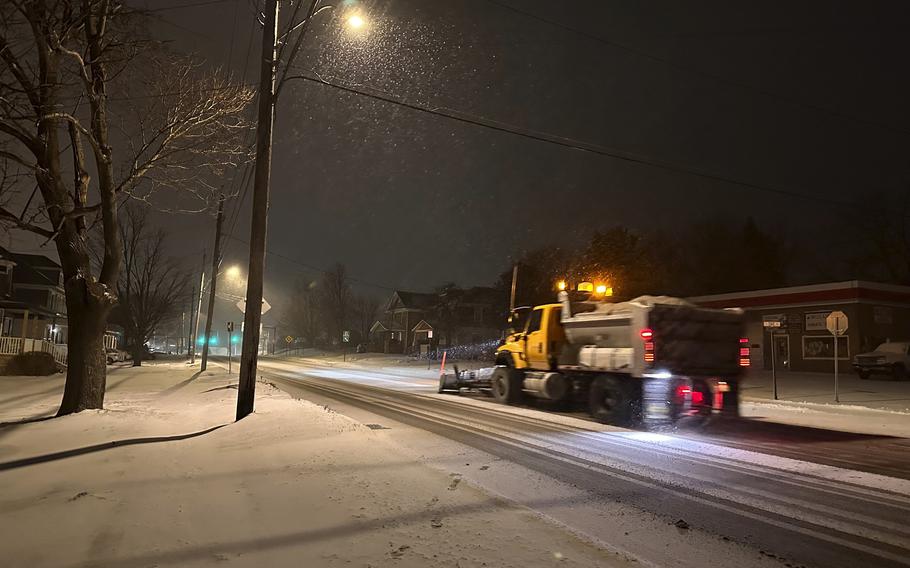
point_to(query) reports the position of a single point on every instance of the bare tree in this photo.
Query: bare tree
(335, 299)
(61, 63)
(151, 286)
(302, 315)
(364, 310)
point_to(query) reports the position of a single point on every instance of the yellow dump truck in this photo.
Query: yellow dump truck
(653, 359)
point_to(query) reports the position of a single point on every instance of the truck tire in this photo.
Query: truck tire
(863, 375)
(507, 384)
(899, 372)
(611, 401)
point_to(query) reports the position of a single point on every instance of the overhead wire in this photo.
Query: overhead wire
(563, 141)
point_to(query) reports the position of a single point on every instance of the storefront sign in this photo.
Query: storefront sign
(815, 321)
(775, 322)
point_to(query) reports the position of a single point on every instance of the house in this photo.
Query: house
(33, 306)
(801, 341)
(32, 299)
(404, 311)
(415, 322)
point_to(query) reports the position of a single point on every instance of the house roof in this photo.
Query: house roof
(380, 325)
(423, 325)
(19, 306)
(29, 267)
(851, 291)
(415, 300)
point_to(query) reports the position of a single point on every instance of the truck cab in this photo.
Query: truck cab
(538, 344)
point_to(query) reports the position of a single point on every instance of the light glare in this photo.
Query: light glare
(356, 21)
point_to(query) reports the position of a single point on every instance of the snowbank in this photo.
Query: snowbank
(164, 477)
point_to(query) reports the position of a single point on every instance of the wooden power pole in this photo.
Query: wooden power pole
(198, 309)
(514, 284)
(216, 259)
(252, 317)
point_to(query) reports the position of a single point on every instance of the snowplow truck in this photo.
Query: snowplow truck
(651, 360)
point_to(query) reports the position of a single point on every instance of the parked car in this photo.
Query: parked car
(892, 358)
(116, 356)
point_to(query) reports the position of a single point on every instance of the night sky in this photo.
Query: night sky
(810, 97)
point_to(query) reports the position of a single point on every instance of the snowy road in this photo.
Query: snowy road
(665, 500)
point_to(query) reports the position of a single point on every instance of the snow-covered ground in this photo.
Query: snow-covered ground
(164, 477)
(867, 407)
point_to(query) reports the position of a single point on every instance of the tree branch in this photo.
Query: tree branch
(16, 69)
(27, 140)
(84, 131)
(9, 216)
(18, 159)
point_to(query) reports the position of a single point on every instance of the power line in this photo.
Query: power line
(566, 142)
(316, 268)
(697, 71)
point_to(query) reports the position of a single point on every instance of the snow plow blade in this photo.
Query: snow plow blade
(479, 379)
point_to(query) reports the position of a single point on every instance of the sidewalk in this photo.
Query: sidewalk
(877, 407)
(164, 477)
(878, 393)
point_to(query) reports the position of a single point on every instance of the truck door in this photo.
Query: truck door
(536, 346)
(545, 337)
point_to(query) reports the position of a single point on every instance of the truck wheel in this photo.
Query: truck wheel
(864, 375)
(610, 401)
(899, 372)
(507, 384)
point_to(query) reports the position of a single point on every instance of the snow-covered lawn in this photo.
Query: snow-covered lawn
(164, 477)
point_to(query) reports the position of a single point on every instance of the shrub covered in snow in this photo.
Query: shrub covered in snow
(33, 363)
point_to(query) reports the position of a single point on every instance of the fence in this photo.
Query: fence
(14, 345)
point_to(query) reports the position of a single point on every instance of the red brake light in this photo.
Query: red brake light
(744, 359)
(646, 334)
(685, 391)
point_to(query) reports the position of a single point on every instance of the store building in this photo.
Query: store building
(876, 313)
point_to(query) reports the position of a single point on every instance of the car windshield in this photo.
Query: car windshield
(892, 347)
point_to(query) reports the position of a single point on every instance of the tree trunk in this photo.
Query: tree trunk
(137, 354)
(86, 373)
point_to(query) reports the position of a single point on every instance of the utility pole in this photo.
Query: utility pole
(514, 284)
(216, 258)
(199, 309)
(188, 336)
(252, 317)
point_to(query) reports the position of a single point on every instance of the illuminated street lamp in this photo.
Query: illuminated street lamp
(356, 21)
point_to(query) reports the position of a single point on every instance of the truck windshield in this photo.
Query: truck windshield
(892, 347)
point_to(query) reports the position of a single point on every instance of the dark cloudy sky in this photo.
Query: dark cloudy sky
(810, 97)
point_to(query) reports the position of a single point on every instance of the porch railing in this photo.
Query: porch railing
(14, 345)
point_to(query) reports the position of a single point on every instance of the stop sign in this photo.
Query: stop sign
(836, 322)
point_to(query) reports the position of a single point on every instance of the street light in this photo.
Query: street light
(356, 21)
(233, 272)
